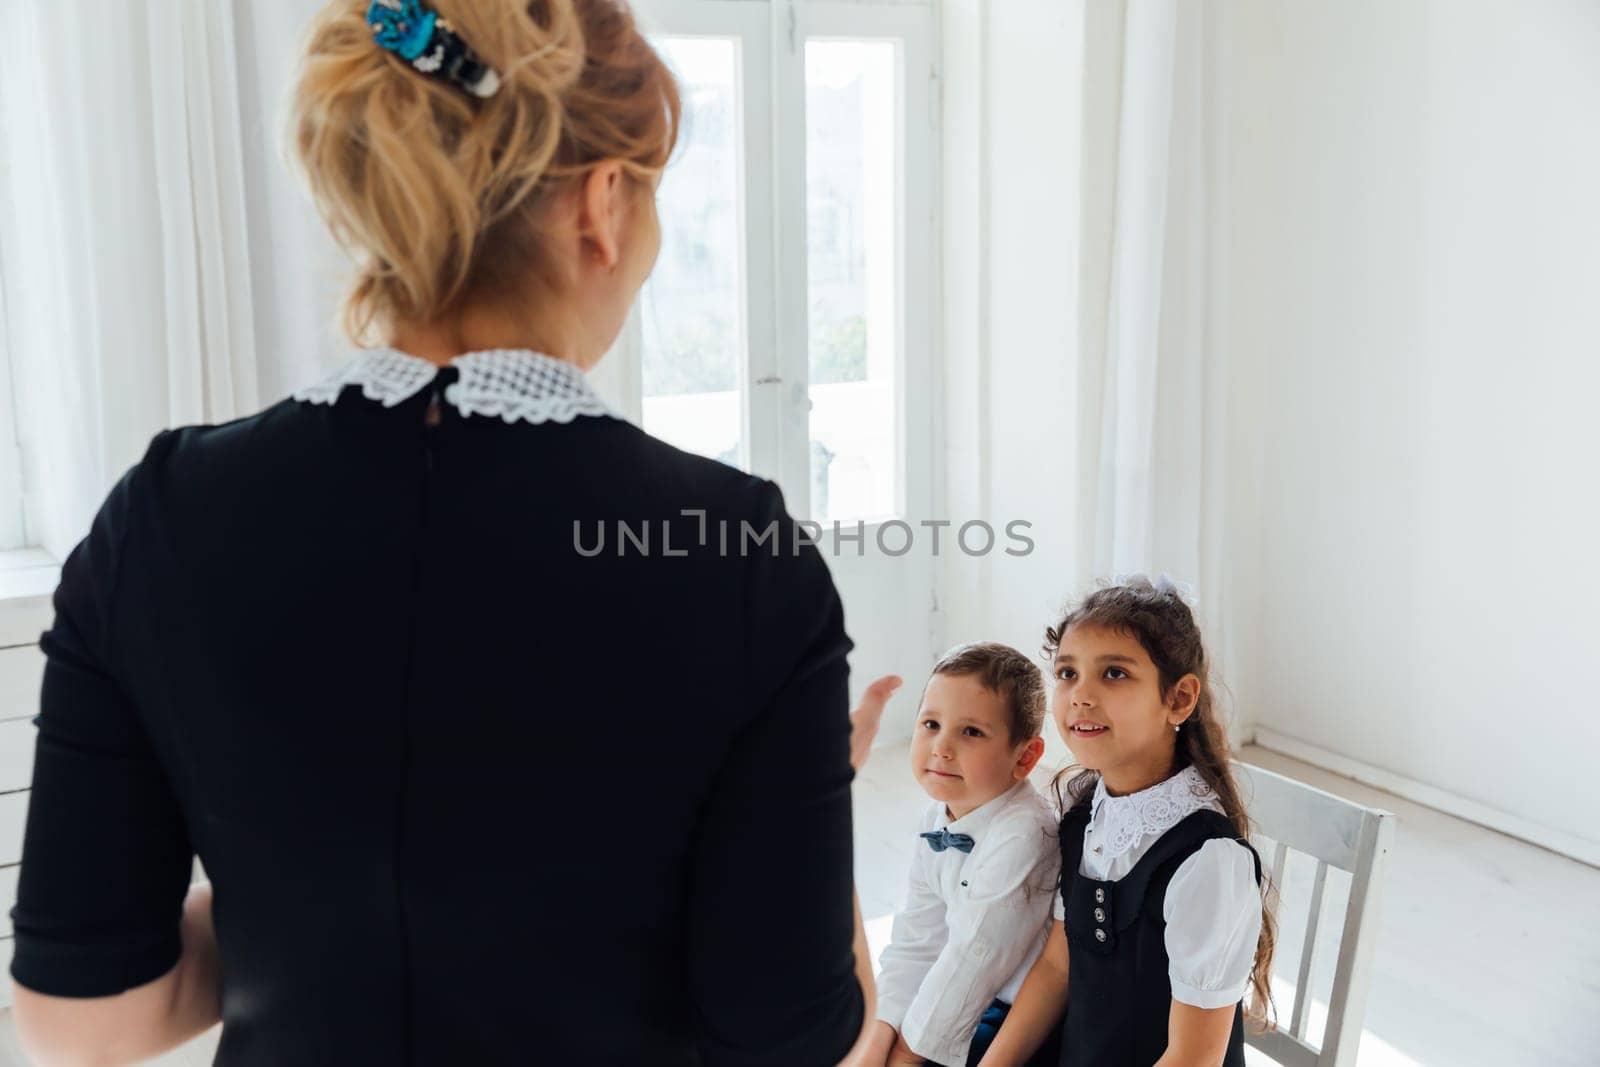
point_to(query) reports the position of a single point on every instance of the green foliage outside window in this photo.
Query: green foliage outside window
(699, 355)
(839, 351)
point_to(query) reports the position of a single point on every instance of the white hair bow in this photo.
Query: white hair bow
(1164, 583)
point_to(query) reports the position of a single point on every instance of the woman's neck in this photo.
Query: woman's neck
(443, 341)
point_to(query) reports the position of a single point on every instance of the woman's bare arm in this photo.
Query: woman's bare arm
(132, 1026)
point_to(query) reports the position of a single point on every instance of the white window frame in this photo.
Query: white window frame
(775, 372)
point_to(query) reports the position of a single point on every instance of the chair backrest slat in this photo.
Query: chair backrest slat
(1308, 956)
(1348, 1001)
(1280, 862)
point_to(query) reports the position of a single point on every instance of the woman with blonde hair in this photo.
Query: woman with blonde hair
(468, 791)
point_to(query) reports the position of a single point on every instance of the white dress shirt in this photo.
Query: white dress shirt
(1213, 905)
(972, 924)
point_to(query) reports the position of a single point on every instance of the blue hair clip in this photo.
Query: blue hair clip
(430, 44)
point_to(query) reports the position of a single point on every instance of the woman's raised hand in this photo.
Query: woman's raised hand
(866, 716)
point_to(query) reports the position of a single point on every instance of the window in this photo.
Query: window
(852, 220)
(773, 334)
(692, 309)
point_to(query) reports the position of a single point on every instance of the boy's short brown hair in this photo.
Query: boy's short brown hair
(1008, 674)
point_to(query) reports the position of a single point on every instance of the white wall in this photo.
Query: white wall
(1413, 305)
(1010, 221)
(1011, 280)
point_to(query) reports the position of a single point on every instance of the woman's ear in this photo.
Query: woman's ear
(1181, 701)
(1032, 752)
(603, 206)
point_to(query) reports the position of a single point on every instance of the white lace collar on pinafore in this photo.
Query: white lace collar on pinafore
(515, 384)
(1122, 822)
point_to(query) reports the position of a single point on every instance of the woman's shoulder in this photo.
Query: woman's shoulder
(638, 464)
(187, 450)
(208, 443)
(708, 502)
(690, 477)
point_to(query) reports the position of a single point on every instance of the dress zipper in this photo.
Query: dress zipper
(430, 424)
(432, 416)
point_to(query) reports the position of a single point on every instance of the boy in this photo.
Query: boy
(984, 870)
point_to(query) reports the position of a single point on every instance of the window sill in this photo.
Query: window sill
(26, 573)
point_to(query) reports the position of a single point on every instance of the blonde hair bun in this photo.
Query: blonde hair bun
(432, 191)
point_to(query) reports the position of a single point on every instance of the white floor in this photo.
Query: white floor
(1489, 951)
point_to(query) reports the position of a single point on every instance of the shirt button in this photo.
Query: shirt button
(1100, 935)
(1099, 896)
(1099, 915)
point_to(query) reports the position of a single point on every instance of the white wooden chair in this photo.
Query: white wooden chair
(1337, 833)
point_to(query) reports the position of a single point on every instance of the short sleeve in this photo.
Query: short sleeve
(106, 858)
(1213, 915)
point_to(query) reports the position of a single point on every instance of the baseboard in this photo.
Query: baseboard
(1429, 796)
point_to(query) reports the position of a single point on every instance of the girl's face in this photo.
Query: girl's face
(1108, 706)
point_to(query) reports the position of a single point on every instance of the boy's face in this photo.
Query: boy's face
(961, 750)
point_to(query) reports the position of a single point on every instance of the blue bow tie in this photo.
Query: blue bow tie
(941, 839)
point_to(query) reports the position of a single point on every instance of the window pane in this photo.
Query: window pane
(851, 177)
(690, 309)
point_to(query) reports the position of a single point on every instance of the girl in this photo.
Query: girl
(1160, 921)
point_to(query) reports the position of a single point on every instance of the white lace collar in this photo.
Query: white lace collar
(1122, 822)
(515, 384)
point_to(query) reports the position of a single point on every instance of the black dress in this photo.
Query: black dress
(1119, 993)
(468, 792)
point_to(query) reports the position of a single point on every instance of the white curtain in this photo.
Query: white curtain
(1153, 424)
(127, 267)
